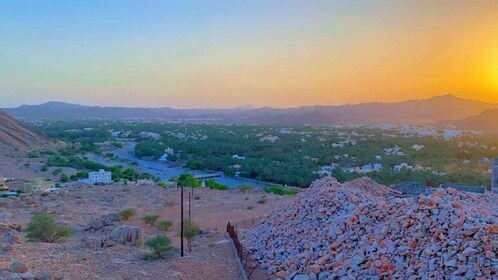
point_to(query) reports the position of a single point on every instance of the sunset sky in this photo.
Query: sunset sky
(189, 54)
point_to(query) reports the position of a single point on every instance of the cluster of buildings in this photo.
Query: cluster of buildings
(167, 152)
(393, 151)
(269, 138)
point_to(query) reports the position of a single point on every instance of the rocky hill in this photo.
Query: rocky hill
(14, 135)
(486, 122)
(359, 230)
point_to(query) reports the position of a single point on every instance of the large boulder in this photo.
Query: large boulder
(126, 235)
(18, 267)
(111, 219)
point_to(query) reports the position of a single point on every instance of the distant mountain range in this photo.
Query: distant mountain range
(426, 111)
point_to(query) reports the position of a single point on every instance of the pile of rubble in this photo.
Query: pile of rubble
(358, 230)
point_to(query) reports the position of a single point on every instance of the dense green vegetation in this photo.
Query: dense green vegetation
(76, 162)
(293, 158)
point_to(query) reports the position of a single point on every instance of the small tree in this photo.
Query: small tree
(64, 178)
(164, 225)
(127, 213)
(190, 231)
(42, 228)
(151, 219)
(160, 246)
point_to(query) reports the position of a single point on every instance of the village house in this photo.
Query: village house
(38, 185)
(98, 177)
(325, 170)
(238, 157)
(402, 166)
(417, 147)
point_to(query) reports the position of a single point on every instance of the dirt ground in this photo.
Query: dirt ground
(76, 207)
(18, 165)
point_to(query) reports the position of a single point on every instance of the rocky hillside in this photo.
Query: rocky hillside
(14, 135)
(486, 121)
(358, 230)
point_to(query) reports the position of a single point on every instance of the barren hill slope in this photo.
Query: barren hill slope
(486, 121)
(15, 135)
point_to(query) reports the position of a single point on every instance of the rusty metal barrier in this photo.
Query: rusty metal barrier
(242, 253)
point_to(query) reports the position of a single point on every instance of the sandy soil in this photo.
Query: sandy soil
(212, 256)
(17, 165)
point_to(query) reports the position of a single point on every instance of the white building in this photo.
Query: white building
(402, 166)
(417, 147)
(238, 157)
(449, 134)
(325, 170)
(99, 177)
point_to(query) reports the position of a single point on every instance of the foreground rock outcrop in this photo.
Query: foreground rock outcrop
(358, 230)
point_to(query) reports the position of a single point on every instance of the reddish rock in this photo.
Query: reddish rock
(281, 274)
(316, 268)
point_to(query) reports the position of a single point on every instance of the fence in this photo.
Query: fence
(242, 253)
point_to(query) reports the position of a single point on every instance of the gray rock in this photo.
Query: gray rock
(356, 261)
(18, 267)
(324, 275)
(44, 275)
(127, 235)
(469, 252)
(451, 263)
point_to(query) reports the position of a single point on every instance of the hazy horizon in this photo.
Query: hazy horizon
(228, 54)
(242, 106)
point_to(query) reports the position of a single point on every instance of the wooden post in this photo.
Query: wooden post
(181, 224)
(189, 206)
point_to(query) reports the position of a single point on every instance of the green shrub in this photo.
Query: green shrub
(212, 184)
(160, 246)
(197, 197)
(169, 202)
(139, 243)
(42, 228)
(44, 168)
(281, 191)
(64, 178)
(33, 154)
(127, 213)
(190, 231)
(151, 219)
(163, 185)
(164, 225)
(188, 180)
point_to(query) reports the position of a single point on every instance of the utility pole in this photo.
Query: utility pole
(181, 224)
(189, 206)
